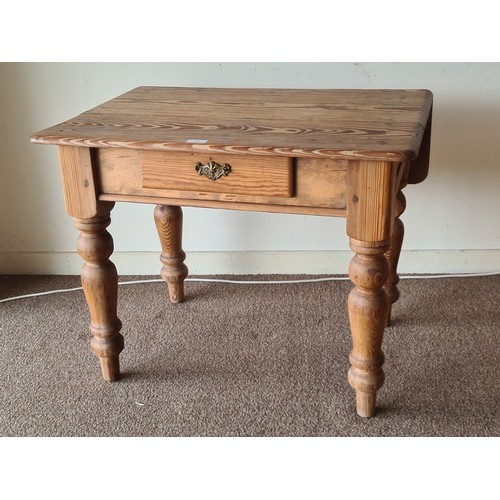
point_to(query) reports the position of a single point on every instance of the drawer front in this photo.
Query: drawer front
(217, 173)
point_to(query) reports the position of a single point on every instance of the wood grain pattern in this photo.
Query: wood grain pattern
(371, 124)
(100, 285)
(370, 199)
(77, 181)
(342, 153)
(249, 175)
(254, 206)
(168, 220)
(368, 309)
(393, 254)
(319, 187)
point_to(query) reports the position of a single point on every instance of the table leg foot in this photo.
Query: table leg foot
(100, 285)
(366, 380)
(107, 348)
(365, 403)
(368, 309)
(110, 368)
(168, 221)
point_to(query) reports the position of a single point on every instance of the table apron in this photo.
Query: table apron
(255, 183)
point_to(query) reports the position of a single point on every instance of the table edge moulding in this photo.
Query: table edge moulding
(332, 152)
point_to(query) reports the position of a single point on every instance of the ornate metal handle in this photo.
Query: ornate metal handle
(212, 170)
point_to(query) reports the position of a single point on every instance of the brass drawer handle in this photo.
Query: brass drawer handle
(212, 170)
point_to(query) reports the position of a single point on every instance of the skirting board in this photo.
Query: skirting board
(272, 262)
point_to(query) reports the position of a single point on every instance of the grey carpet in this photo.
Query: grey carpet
(249, 360)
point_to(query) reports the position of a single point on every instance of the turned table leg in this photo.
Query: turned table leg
(371, 198)
(394, 252)
(168, 221)
(368, 309)
(100, 285)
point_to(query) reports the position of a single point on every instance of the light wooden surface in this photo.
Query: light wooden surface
(343, 153)
(373, 124)
(100, 285)
(249, 175)
(168, 220)
(78, 181)
(318, 185)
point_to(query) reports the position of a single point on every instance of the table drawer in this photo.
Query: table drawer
(218, 173)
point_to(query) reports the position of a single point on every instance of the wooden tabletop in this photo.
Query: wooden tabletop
(370, 124)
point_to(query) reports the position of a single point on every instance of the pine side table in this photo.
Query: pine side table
(339, 153)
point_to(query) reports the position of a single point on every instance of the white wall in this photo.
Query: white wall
(452, 219)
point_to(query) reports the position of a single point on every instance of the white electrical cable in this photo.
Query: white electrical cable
(250, 282)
